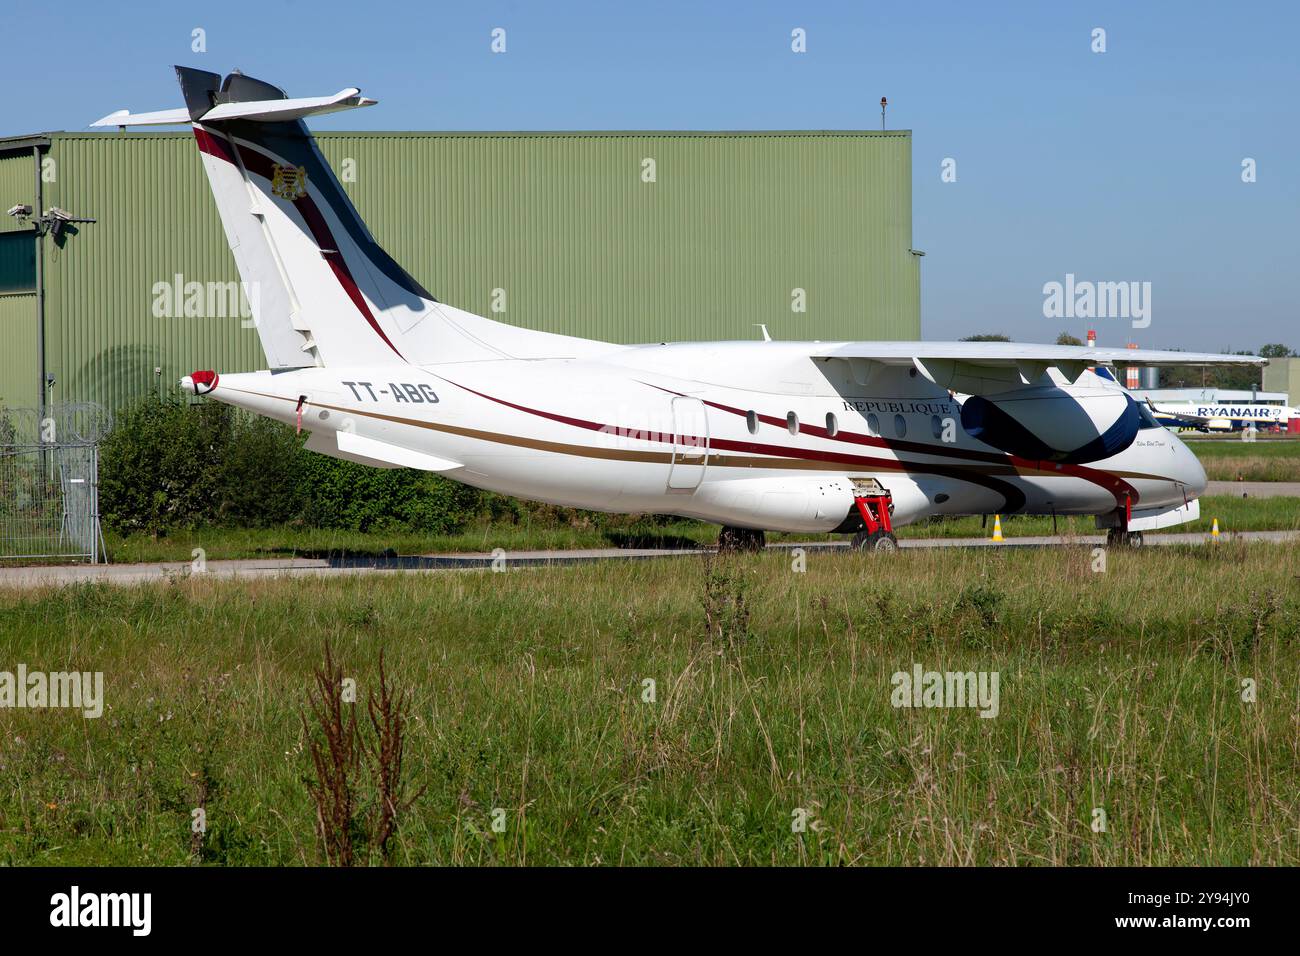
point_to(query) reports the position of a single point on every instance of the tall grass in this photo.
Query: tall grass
(1231, 460)
(593, 714)
(1252, 468)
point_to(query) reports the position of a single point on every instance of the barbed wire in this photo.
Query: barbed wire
(59, 423)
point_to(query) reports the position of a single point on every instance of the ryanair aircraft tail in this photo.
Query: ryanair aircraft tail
(321, 290)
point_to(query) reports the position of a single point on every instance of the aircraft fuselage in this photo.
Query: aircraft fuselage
(752, 435)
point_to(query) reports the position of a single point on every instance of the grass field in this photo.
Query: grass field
(1229, 459)
(1120, 694)
(1234, 514)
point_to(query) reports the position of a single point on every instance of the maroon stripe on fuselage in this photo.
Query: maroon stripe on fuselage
(264, 166)
(1116, 486)
(1014, 497)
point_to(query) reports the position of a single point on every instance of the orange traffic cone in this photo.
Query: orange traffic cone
(997, 528)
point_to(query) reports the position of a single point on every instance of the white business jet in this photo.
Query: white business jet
(846, 437)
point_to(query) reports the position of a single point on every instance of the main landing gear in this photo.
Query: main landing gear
(875, 542)
(740, 539)
(1117, 538)
(878, 536)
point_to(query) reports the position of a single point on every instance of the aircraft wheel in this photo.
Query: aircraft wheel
(1115, 538)
(878, 542)
(741, 539)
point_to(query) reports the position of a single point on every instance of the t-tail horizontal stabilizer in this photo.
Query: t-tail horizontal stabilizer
(258, 111)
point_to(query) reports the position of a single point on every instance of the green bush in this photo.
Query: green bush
(175, 465)
(162, 466)
(352, 497)
(262, 473)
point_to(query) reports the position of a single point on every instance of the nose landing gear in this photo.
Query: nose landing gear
(1122, 537)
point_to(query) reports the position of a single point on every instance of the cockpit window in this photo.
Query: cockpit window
(1146, 418)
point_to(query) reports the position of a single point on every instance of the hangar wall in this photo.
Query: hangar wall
(18, 364)
(565, 223)
(1283, 375)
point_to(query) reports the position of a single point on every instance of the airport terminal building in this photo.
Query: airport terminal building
(621, 236)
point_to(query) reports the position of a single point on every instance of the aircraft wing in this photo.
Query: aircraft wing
(983, 367)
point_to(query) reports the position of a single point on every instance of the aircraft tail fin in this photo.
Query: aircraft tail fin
(322, 291)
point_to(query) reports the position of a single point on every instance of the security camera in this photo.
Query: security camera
(54, 212)
(22, 210)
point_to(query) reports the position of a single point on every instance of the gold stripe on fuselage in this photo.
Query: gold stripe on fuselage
(713, 459)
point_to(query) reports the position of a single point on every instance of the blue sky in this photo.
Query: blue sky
(1115, 166)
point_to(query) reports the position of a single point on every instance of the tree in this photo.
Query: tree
(1065, 338)
(1276, 350)
(995, 337)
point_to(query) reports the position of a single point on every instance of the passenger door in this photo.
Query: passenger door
(690, 444)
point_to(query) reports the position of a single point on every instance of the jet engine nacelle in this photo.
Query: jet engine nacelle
(1070, 426)
(775, 504)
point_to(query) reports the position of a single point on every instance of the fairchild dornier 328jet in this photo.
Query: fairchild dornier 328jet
(849, 437)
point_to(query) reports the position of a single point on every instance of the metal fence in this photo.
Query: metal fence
(49, 482)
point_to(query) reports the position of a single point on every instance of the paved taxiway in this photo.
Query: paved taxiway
(1255, 489)
(55, 575)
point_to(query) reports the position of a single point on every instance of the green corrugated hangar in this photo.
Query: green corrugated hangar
(1283, 375)
(621, 236)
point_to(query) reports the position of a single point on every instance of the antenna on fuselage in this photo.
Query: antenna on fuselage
(766, 336)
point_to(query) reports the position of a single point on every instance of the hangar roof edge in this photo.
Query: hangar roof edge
(44, 139)
(13, 144)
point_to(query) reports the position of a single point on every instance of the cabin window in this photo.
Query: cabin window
(900, 426)
(936, 426)
(873, 425)
(751, 420)
(792, 423)
(832, 426)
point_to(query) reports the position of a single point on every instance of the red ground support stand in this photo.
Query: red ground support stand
(875, 512)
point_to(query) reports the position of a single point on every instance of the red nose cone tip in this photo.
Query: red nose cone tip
(201, 382)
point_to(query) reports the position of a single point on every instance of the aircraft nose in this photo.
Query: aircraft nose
(1188, 469)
